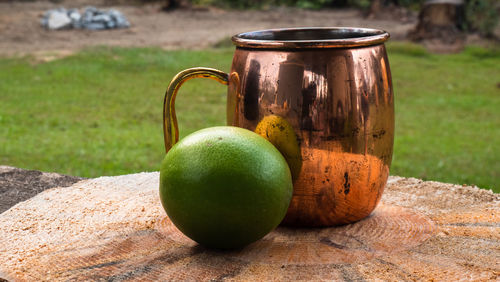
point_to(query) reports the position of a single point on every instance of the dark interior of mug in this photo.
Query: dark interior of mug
(310, 34)
(315, 37)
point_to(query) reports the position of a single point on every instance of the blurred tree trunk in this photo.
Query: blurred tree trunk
(375, 8)
(174, 4)
(383, 9)
(440, 19)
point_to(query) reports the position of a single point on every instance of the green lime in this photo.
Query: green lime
(225, 187)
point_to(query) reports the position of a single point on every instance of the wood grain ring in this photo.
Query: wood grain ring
(388, 230)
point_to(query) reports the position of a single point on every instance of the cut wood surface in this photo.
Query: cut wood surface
(114, 228)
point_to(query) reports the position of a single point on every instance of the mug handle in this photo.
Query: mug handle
(170, 128)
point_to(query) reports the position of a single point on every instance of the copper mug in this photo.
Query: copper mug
(333, 87)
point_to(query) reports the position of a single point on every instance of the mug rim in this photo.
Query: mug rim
(276, 38)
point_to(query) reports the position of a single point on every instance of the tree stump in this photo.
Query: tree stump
(114, 228)
(383, 9)
(440, 24)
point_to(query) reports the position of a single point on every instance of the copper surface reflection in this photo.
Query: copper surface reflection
(340, 104)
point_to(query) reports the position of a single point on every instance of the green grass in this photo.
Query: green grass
(447, 115)
(99, 112)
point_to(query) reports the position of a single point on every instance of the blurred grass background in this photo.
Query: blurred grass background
(99, 112)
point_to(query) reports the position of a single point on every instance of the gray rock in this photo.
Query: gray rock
(87, 16)
(58, 20)
(74, 15)
(92, 18)
(111, 24)
(91, 9)
(120, 20)
(44, 22)
(95, 26)
(102, 18)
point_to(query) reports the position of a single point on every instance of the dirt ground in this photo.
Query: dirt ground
(21, 32)
(18, 185)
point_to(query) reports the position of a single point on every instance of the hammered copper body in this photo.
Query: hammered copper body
(333, 86)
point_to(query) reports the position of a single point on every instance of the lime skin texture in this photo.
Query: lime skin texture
(225, 187)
